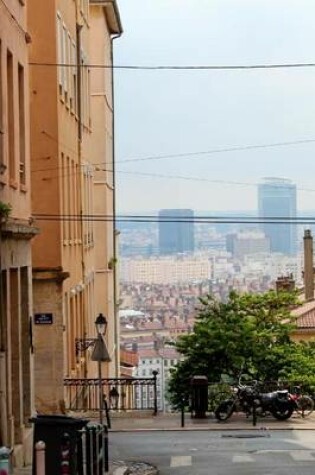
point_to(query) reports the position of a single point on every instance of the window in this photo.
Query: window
(64, 61)
(60, 52)
(67, 56)
(69, 69)
(11, 121)
(74, 104)
(21, 123)
(64, 198)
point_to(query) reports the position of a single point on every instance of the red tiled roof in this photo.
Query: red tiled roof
(147, 353)
(305, 315)
(169, 353)
(128, 358)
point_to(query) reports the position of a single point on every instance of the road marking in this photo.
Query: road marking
(302, 455)
(242, 458)
(181, 461)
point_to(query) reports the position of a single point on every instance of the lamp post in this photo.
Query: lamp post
(100, 354)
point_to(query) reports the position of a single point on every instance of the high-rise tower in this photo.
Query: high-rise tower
(176, 231)
(277, 199)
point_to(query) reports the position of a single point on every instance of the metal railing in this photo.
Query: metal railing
(120, 394)
(93, 450)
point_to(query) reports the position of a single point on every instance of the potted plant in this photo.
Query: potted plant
(5, 210)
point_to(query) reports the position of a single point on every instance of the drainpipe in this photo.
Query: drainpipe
(115, 273)
(308, 266)
(79, 153)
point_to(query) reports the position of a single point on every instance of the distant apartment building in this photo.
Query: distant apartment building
(165, 269)
(176, 231)
(72, 180)
(277, 201)
(16, 233)
(245, 243)
(162, 361)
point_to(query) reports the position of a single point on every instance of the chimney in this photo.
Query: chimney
(285, 283)
(308, 266)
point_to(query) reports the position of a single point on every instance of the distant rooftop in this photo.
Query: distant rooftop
(277, 181)
(129, 313)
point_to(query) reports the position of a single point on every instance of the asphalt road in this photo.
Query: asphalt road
(252, 452)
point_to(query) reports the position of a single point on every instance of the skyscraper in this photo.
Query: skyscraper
(277, 199)
(176, 231)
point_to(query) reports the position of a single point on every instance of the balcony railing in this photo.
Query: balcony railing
(120, 394)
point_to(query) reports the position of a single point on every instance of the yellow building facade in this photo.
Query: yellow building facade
(70, 135)
(16, 232)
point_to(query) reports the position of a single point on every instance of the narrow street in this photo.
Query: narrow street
(260, 452)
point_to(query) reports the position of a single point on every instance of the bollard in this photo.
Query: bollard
(106, 464)
(65, 454)
(183, 412)
(40, 448)
(5, 461)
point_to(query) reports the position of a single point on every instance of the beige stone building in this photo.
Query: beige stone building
(16, 232)
(105, 28)
(71, 139)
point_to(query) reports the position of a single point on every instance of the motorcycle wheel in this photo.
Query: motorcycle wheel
(282, 414)
(304, 406)
(224, 410)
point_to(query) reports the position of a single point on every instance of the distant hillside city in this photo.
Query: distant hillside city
(175, 256)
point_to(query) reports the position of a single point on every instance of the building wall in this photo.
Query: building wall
(62, 189)
(176, 231)
(102, 158)
(72, 134)
(167, 269)
(276, 199)
(243, 244)
(16, 232)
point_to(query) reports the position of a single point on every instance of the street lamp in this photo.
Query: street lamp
(101, 324)
(100, 354)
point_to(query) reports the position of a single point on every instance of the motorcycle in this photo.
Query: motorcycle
(248, 399)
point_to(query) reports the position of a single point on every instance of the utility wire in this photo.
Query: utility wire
(180, 68)
(154, 219)
(218, 150)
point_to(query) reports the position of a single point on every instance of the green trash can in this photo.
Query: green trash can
(61, 436)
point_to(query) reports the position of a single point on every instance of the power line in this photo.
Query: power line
(180, 67)
(198, 220)
(218, 150)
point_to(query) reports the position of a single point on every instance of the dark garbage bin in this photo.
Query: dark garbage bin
(199, 396)
(62, 438)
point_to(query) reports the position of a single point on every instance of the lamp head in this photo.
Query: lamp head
(101, 324)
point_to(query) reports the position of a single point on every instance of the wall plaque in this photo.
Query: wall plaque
(43, 318)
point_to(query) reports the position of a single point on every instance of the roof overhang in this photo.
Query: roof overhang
(112, 14)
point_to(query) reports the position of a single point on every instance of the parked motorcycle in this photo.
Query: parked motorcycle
(248, 399)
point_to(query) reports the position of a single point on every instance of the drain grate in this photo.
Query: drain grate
(244, 436)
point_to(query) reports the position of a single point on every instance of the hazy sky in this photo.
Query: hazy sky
(174, 112)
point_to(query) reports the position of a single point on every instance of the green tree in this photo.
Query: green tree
(300, 366)
(250, 329)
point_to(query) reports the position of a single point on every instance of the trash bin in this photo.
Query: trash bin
(199, 396)
(61, 437)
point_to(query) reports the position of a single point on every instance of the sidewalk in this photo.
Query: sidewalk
(236, 422)
(131, 422)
